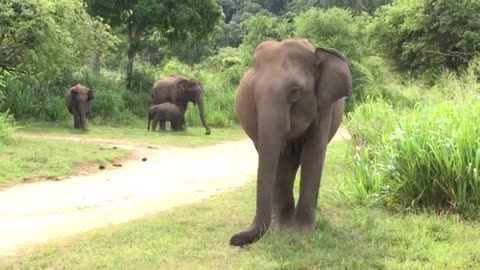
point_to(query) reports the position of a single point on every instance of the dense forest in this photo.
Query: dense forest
(119, 48)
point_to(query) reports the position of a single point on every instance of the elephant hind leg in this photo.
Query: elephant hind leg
(283, 199)
(162, 125)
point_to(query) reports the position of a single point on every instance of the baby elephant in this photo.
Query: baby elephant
(166, 112)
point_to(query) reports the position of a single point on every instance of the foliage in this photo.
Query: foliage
(357, 6)
(197, 18)
(429, 35)
(263, 27)
(427, 157)
(334, 28)
(7, 128)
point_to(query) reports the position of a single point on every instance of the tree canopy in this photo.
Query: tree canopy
(174, 19)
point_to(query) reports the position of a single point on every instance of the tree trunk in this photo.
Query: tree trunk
(96, 62)
(132, 50)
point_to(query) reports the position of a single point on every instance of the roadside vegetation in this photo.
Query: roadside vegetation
(29, 160)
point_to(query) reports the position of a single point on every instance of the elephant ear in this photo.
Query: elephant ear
(89, 94)
(182, 85)
(333, 75)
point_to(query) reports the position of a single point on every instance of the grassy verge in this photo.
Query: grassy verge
(196, 237)
(31, 160)
(194, 136)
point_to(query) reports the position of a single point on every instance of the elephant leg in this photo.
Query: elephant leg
(162, 125)
(283, 200)
(154, 123)
(312, 161)
(76, 120)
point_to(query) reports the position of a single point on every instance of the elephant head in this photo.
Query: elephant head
(79, 102)
(191, 90)
(289, 103)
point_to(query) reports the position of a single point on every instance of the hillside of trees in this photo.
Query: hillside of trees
(119, 48)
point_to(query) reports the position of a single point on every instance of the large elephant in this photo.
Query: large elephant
(164, 112)
(179, 91)
(290, 103)
(79, 103)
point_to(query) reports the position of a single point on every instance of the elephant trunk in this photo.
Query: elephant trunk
(201, 110)
(82, 115)
(273, 125)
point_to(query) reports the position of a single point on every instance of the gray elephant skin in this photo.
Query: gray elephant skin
(290, 104)
(179, 91)
(79, 100)
(164, 112)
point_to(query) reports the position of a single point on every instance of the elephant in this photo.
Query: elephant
(166, 112)
(179, 91)
(290, 103)
(79, 99)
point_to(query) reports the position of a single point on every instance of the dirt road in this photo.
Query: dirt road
(37, 212)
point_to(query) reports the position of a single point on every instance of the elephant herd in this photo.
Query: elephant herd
(290, 103)
(170, 97)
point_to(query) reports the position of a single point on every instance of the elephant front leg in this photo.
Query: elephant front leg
(76, 120)
(312, 161)
(283, 200)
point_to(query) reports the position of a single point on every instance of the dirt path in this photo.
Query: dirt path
(37, 212)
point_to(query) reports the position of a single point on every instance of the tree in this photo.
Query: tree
(425, 35)
(21, 31)
(334, 28)
(357, 6)
(175, 19)
(229, 8)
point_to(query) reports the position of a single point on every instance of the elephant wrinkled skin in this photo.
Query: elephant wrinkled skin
(290, 103)
(179, 91)
(166, 112)
(79, 103)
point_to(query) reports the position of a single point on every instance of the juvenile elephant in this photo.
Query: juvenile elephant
(79, 100)
(179, 91)
(166, 112)
(290, 103)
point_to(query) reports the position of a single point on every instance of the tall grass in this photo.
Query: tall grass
(7, 128)
(425, 157)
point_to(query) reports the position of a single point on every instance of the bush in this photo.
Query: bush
(335, 28)
(427, 157)
(429, 35)
(7, 129)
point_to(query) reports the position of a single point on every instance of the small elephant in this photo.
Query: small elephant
(79, 100)
(166, 112)
(179, 91)
(290, 104)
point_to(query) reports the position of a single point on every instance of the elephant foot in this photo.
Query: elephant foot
(304, 221)
(245, 238)
(284, 220)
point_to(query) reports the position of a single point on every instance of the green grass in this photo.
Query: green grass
(194, 136)
(196, 237)
(32, 160)
(427, 157)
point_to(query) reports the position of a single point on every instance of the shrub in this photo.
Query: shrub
(335, 28)
(425, 157)
(7, 129)
(428, 35)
